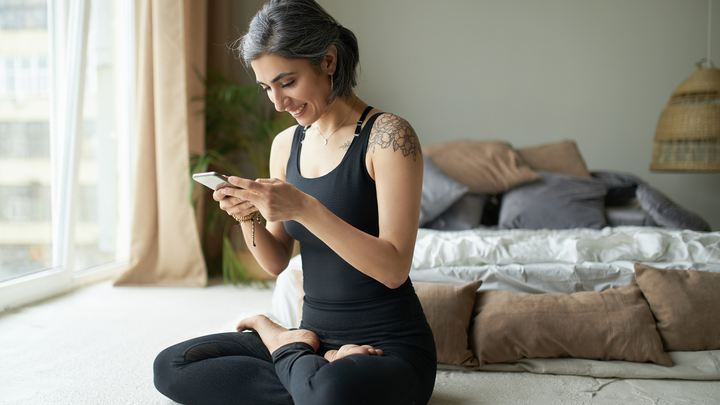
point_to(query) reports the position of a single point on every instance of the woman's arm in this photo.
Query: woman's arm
(395, 162)
(273, 246)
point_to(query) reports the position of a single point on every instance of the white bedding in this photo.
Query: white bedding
(502, 247)
(550, 261)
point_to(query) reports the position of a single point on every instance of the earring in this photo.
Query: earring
(331, 83)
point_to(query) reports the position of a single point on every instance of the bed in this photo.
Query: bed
(526, 261)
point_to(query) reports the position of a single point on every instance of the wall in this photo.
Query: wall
(532, 72)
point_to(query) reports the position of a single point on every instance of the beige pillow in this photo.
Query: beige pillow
(615, 324)
(561, 157)
(485, 167)
(448, 309)
(686, 306)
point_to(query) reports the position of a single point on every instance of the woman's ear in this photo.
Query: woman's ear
(329, 63)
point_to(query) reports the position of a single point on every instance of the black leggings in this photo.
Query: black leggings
(237, 368)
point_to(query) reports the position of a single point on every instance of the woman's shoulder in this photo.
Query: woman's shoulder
(285, 137)
(394, 133)
(280, 152)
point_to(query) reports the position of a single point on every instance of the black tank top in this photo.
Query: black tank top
(349, 192)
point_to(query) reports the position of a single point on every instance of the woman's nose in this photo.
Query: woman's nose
(279, 100)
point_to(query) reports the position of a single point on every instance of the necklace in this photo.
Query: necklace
(338, 127)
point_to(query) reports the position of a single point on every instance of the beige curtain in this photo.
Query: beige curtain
(165, 244)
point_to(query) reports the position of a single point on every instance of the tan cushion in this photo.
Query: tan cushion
(448, 309)
(560, 157)
(686, 306)
(615, 324)
(485, 167)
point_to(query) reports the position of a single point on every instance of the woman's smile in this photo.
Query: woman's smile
(297, 113)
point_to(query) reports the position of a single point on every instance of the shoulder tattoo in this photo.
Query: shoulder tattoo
(393, 131)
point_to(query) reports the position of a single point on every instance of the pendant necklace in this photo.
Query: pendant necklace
(338, 127)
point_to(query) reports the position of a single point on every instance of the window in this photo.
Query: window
(23, 14)
(23, 75)
(66, 106)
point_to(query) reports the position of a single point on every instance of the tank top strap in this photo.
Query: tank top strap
(298, 137)
(362, 119)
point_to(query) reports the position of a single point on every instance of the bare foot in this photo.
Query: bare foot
(347, 350)
(274, 336)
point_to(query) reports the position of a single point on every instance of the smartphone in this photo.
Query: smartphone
(213, 180)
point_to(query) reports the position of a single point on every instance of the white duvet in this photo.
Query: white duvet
(549, 261)
(501, 247)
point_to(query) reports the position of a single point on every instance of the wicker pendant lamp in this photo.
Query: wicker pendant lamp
(687, 138)
(688, 132)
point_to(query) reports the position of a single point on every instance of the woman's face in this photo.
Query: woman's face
(295, 86)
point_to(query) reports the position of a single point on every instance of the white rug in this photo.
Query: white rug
(97, 345)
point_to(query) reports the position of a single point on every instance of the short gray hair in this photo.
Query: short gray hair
(302, 29)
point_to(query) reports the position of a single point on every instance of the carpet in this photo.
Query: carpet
(96, 345)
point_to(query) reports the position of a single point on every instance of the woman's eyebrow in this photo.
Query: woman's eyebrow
(278, 77)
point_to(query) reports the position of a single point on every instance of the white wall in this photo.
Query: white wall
(537, 71)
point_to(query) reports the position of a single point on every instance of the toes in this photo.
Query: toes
(373, 351)
(250, 323)
(331, 355)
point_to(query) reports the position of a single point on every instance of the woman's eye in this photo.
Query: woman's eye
(265, 89)
(288, 84)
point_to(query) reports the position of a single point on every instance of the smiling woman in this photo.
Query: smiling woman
(346, 183)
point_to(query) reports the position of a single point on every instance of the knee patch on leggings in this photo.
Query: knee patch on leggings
(201, 352)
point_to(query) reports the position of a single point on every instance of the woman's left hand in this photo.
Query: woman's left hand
(276, 200)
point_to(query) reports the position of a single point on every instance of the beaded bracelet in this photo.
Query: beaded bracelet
(250, 217)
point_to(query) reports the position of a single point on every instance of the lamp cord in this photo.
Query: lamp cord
(709, 30)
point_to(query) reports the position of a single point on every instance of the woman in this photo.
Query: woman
(346, 183)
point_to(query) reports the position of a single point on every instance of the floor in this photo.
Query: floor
(96, 345)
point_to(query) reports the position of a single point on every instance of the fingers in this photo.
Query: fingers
(233, 206)
(242, 183)
(242, 194)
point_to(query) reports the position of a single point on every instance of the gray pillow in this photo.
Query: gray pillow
(439, 192)
(555, 201)
(464, 214)
(621, 187)
(666, 213)
(628, 215)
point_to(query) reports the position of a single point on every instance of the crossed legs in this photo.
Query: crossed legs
(274, 365)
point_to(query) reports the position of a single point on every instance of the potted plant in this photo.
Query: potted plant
(239, 130)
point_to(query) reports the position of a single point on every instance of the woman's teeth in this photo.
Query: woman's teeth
(299, 110)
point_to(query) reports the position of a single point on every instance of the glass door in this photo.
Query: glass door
(66, 101)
